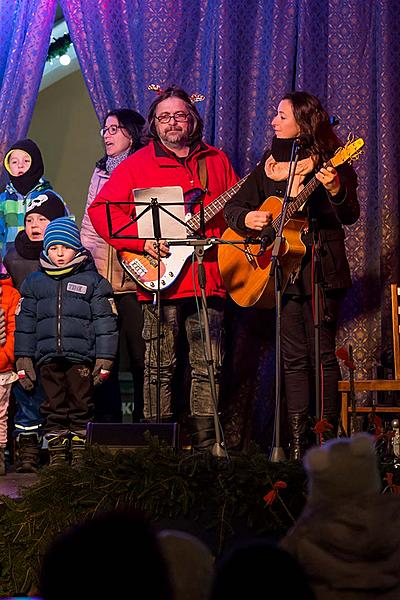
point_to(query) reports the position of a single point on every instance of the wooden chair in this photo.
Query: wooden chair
(376, 385)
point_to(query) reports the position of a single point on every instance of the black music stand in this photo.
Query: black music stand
(199, 245)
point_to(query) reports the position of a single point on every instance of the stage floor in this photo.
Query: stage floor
(12, 483)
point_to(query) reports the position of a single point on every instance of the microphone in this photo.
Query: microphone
(304, 140)
(267, 237)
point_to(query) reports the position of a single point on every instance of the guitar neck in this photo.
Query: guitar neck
(300, 199)
(215, 206)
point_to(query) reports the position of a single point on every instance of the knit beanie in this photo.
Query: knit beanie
(26, 182)
(62, 231)
(47, 204)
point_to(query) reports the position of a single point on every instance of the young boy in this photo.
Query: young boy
(66, 324)
(24, 164)
(9, 298)
(22, 259)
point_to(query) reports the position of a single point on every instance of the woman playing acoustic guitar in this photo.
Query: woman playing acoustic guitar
(330, 205)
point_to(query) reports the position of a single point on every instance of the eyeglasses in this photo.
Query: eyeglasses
(112, 130)
(179, 117)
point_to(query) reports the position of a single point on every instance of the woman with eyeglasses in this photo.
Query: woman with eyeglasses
(121, 133)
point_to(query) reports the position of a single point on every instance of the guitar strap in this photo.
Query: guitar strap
(203, 176)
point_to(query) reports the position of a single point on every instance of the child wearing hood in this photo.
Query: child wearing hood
(24, 165)
(67, 326)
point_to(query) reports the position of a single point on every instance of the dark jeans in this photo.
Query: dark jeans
(28, 417)
(174, 317)
(298, 354)
(68, 405)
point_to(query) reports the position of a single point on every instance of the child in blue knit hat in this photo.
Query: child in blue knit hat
(67, 326)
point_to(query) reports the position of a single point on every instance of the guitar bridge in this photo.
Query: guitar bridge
(138, 268)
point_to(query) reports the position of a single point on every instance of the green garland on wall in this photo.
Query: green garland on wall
(59, 47)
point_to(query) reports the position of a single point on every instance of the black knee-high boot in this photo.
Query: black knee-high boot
(298, 435)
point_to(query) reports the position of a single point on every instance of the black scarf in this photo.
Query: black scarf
(281, 149)
(26, 247)
(26, 182)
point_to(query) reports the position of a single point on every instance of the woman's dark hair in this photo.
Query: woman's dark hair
(132, 122)
(313, 120)
(196, 122)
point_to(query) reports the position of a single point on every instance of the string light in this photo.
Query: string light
(65, 60)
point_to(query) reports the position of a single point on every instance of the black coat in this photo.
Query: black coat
(329, 213)
(22, 258)
(70, 317)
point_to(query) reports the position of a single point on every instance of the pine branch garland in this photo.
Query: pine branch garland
(210, 497)
(59, 46)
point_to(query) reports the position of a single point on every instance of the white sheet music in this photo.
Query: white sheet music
(169, 198)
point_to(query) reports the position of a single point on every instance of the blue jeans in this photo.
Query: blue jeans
(174, 316)
(27, 416)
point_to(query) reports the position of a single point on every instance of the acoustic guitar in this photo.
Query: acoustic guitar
(246, 272)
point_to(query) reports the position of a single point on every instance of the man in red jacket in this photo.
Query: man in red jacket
(174, 156)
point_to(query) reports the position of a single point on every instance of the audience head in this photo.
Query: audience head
(190, 564)
(259, 569)
(174, 101)
(24, 164)
(112, 555)
(40, 211)
(342, 469)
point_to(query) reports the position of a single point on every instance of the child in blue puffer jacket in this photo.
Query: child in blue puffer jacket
(67, 325)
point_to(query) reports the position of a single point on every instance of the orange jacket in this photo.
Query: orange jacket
(9, 298)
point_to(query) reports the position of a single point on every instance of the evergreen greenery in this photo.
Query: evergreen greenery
(213, 498)
(59, 46)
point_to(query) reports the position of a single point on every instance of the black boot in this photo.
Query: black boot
(202, 432)
(28, 453)
(78, 447)
(298, 435)
(2, 460)
(58, 449)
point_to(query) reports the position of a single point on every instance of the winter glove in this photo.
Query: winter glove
(26, 373)
(101, 370)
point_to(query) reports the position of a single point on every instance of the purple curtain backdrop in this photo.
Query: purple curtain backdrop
(243, 56)
(25, 29)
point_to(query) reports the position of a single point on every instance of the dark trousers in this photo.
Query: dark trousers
(68, 405)
(298, 354)
(132, 345)
(107, 396)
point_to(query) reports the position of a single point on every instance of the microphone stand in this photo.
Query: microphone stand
(317, 278)
(155, 212)
(277, 453)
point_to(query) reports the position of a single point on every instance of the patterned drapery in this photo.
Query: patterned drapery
(243, 56)
(25, 29)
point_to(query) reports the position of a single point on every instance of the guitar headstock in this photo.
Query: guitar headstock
(351, 151)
